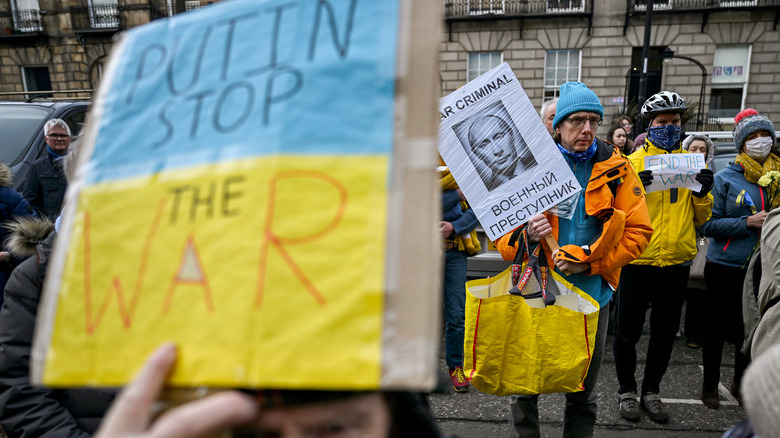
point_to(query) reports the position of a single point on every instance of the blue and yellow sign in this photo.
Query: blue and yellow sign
(233, 198)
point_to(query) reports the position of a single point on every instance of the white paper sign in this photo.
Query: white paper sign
(500, 153)
(674, 171)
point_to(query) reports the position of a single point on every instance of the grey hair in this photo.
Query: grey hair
(55, 122)
(546, 104)
(70, 160)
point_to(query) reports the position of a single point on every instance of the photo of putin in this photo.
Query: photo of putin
(494, 145)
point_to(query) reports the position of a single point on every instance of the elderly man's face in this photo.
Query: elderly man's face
(58, 139)
(549, 115)
(491, 141)
(578, 130)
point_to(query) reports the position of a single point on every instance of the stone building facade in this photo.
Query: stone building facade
(64, 44)
(733, 45)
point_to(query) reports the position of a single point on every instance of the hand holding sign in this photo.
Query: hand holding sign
(707, 179)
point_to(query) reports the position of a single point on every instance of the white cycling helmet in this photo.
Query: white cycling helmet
(663, 102)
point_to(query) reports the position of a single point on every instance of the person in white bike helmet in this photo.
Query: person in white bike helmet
(659, 276)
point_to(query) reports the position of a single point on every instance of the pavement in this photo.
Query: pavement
(476, 414)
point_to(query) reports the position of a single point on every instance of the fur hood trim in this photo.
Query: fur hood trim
(6, 176)
(26, 232)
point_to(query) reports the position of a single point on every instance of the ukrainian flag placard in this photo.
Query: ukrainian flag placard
(233, 195)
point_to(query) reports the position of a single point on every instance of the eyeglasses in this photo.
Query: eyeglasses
(58, 136)
(577, 122)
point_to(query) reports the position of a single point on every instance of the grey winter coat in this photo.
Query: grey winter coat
(27, 411)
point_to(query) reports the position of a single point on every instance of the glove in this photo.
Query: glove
(707, 179)
(646, 176)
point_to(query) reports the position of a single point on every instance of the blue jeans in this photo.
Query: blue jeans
(581, 407)
(454, 306)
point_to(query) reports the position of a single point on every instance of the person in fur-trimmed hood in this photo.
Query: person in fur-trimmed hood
(27, 411)
(12, 205)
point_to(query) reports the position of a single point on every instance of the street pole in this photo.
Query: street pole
(639, 125)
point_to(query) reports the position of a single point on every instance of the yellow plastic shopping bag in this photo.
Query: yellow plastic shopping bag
(520, 345)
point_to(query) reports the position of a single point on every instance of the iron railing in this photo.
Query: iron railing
(477, 9)
(701, 5)
(20, 21)
(98, 16)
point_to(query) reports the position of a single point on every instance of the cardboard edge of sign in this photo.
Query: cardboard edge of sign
(410, 347)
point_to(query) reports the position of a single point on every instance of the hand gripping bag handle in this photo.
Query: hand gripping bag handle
(536, 265)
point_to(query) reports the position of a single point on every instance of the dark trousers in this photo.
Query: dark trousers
(724, 320)
(642, 286)
(581, 407)
(454, 306)
(695, 312)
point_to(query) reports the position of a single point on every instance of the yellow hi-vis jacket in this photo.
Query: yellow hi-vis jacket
(674, 214)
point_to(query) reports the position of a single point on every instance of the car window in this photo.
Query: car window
(720, 162)
(75, 120)
(19, 125)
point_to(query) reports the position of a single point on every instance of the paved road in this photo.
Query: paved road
(476, 414)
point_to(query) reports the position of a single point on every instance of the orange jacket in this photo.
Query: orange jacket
(626, 230)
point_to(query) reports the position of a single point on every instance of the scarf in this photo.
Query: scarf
(468, 243)
(755, 170)
(579, 156)
(54, 155)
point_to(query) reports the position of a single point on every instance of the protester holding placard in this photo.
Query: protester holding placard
(738, 212)
(659, 276)
(609, 228)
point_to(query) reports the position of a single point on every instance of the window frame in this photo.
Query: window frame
(468, 62)
(481, 11)
(580, 8)
(556, 88)
(713, 85)
(15, 18)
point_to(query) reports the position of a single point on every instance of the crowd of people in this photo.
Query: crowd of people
(629, 248)
(651, 257)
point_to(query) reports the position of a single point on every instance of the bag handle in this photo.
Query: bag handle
(536, 265)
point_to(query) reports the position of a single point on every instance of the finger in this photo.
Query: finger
(130, 412)
(217, 412)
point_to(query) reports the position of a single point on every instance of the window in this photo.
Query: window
(478, 7)
(96, 72)
(103, 13)
(729, 80)
(26, 15)
(191, 5)
(36, 79)
(480, 62)
(565, 6)
(560, 66)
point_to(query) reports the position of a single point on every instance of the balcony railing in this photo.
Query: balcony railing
(701, 5)
(479, 9)
(20, 21)
(98, 16)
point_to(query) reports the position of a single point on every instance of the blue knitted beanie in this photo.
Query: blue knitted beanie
(749, 125)
(576, 96)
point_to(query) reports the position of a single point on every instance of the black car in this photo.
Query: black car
(22, 126)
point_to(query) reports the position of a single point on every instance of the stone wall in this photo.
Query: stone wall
(606, 52)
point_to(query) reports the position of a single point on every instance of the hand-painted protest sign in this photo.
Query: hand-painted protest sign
(243, 191)
(674, 171)
(500, 153)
